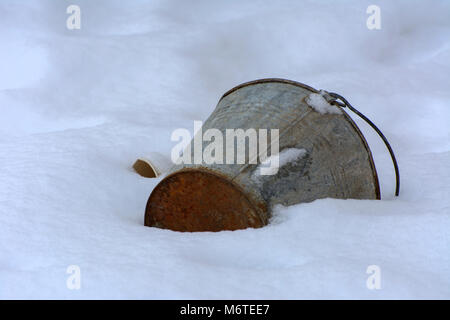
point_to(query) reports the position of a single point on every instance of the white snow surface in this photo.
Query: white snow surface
(318, 102)
(289, 155)
(78, 107)
(284, 157)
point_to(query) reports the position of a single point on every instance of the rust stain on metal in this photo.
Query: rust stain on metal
(198, 200)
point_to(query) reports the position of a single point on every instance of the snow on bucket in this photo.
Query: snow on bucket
(322, 153)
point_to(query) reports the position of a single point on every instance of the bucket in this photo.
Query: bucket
(327, 155)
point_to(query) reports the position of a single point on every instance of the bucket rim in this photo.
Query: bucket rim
(268, 80)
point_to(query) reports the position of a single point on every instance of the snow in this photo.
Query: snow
(318, 102)
(272, 163)
(289, 155)
(79, 107)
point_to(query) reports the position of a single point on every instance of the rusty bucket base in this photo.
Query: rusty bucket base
(197, 200)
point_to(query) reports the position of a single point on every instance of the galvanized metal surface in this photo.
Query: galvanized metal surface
(338, 163)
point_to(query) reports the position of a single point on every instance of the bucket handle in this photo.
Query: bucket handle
(344, 104)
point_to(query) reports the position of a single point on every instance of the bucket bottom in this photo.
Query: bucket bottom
(199, 200)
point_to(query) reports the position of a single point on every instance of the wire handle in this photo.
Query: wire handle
(344, 104)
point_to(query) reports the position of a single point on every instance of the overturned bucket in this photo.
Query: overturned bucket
(322, 153)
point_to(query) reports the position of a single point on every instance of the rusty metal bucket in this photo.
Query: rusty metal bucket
(336, 163)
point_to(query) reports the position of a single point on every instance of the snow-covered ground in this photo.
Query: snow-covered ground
(79, 106)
